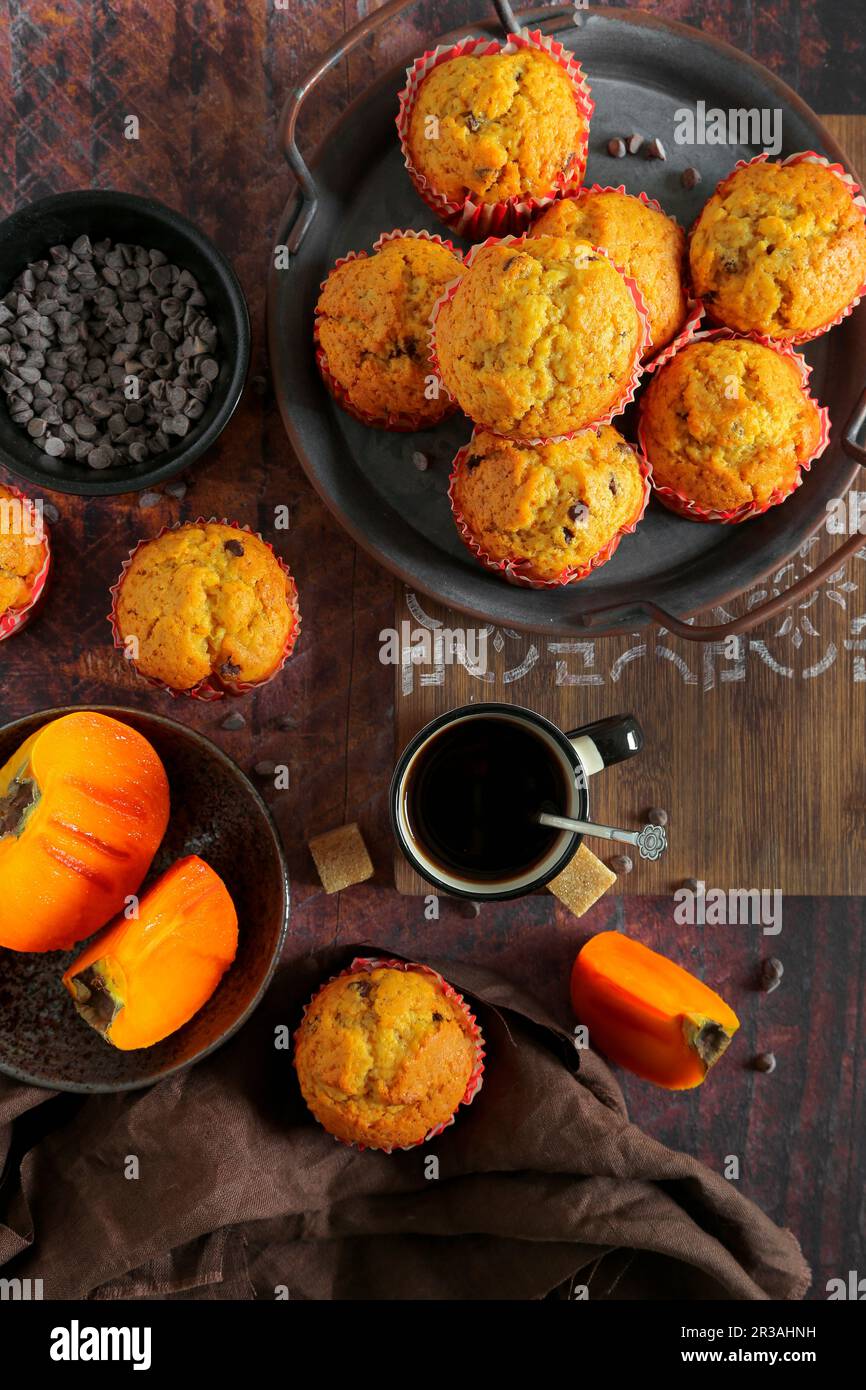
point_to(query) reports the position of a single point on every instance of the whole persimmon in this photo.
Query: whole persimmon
(84, 804)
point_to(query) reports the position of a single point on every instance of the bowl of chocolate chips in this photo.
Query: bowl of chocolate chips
(124, 342)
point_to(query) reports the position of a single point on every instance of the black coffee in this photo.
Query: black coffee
(472, 794)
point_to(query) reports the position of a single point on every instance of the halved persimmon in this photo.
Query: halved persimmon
(83, 807)
(142, 978)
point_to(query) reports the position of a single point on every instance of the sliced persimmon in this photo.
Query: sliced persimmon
(143, 977)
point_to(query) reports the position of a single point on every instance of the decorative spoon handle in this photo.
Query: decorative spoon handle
(652, 841)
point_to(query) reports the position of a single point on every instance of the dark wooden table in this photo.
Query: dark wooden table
(206, 82)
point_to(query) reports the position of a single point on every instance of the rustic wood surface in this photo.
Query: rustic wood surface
(206, 81)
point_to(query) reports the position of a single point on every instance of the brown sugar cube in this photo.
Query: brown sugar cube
(341, 858)
(582, 883)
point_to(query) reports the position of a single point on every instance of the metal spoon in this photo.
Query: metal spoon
(652, 841)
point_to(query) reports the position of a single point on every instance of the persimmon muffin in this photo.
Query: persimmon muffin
(554, 511)
(372, 328)
(205, 601)
(642, 240)
(779, 249)
(727, 425)
(22, 552)
(385, 1055)
(503, 125)
(541, 338)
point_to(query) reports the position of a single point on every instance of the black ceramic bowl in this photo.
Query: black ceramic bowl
(216, 813)
(26, 237)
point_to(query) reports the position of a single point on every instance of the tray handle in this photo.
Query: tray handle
(854, 444)
(287, 127)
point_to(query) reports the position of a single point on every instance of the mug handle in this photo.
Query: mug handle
(607, 741)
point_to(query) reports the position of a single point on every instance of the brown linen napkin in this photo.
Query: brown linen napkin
(543, 1184)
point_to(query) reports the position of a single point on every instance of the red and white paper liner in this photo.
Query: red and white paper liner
(395, 421)
(13, 619)
(687, 506)
(476, 220)
(364, 965)
(518, 571)
(629, 387)
(213, 687)
(854, 190)
(694, 307)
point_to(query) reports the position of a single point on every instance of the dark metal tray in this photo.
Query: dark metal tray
(642, 69)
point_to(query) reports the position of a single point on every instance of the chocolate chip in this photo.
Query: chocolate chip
(177, 488)
(265, 768)
(622, 863)
(50, 513)
(579, 513)
(438, 1018)
(148, 500)
(362, 987)
(612, 485)
(765, 1062)
(634, 143)
(694, 885)
(473, 122)
(234, 547)
(771, 974)
(421, 461)
(655, 150)
(287, 721)
(616, 148)
(568, 535)
(691, 177)
(54, 447)
(656, 816)
(473, 461)
(233, 722)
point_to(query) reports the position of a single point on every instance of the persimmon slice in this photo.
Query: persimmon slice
(646, 1013)
(143, 977)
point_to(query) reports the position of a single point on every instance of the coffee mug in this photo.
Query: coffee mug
(467, 791)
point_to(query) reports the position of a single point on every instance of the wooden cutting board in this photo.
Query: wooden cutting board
(754, 748)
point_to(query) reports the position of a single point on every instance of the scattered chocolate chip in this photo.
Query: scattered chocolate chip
(691, 177)
(616, 148)
(473, 461)
(621, 863)
(612, 485)
(50, 513)
(694, 885)
(234, 547)
(765, 1062)
(567, 535)
(177, 488)
(655, 150)
(438, 1018)
(634, 143)
(657, 816)
(473, 909)
(233, 722)
(266, 768)
(147, 500)
(259, 385)
(286, 721)
(771, 974)
(421, 461)
(579, 513)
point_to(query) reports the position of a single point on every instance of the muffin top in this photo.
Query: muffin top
(642, 241)
(495, 126)
(373, 322)
(780, 249)
(205, 599)
(383, 1056)
(551, 507)
(22, 551)
(540, 338)
(727, 422)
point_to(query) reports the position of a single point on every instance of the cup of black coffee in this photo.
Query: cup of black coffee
(468, 789)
